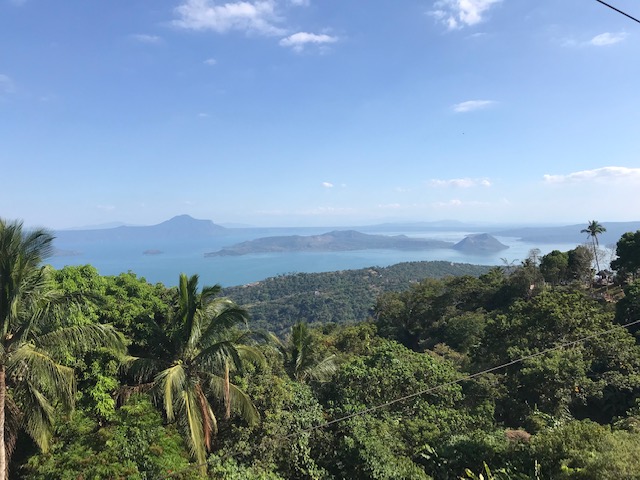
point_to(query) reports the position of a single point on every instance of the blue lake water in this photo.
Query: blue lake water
(188, 257)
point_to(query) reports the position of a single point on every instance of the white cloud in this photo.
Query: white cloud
(471, 105)
(210, 61)
(203, 115)
(250, 17)
(300, 3)
(327, 185)
(451, 203)
(106, 208)
(144, 38)
(461, 182)
(6, 84)
(597, 174)
(299, 40)
(607, 38)
(456, 14)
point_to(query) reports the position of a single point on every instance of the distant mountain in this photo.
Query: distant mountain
(570, 233)
(182, 226)
(480, 243)
(100, 226)
(335, 241)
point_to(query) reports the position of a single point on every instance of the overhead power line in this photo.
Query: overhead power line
(618, 10)
(463, 379)
(278, 439)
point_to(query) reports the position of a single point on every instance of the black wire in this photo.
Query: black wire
(618, 10)
(281, 438)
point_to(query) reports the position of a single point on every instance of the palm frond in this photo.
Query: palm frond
(188, 319)
(238, 399)
(322, 371)
(39, 421)
(213, 358)
(251, 354)
(194, 423)
(209, 293)
(171, 383)
(30, 365)
(141, 369)
(81, 338)
(224, 314)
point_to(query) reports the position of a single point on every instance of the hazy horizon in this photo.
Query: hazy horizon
(315, 113)
(445, 223)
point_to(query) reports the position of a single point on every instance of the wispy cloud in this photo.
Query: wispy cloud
(210, 61)
(597, 174)
(451, 203)
(327, 184)
(602, 40)
(607, 38)
(457, 203)
(300, 3)
(299, 40)
(6, 84)
(149, 39)
(106, 208)
(471, 105)
(460, 182)
(456, 14)
(254, 17)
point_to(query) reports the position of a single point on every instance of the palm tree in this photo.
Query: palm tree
(190, 374)
(594, 228)
(300, 358)
(33, 381)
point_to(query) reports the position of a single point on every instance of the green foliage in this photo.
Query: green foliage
(628, 252)
(135, 445)
(34, 349)
(587, 451)
(580, 378)
(447, 311)
(555, 267)
(134, 306)
(190, 373)
(340, 297)
(580, 259)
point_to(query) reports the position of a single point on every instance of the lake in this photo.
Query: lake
(187, 256)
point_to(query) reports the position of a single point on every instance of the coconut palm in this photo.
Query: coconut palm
(190, 374)
(301, 359)
(33, 381)
(594, 228)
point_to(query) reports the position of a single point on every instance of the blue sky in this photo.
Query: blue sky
(319, 112)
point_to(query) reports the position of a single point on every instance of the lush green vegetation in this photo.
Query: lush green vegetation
(345, 296)
(411, 391)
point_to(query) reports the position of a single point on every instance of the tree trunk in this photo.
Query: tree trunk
(4, 466)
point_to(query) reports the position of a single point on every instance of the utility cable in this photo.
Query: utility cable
(463, 379)
(432, 389)
(618, 10)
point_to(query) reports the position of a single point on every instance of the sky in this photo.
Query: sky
(319, 112)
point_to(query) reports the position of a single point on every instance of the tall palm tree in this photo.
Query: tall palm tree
(33, 381)
(594, 228)
(190, 373)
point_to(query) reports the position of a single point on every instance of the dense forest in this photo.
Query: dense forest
(527, 371)
(345, 296)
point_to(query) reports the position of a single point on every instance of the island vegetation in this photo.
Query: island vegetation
(511, 372)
